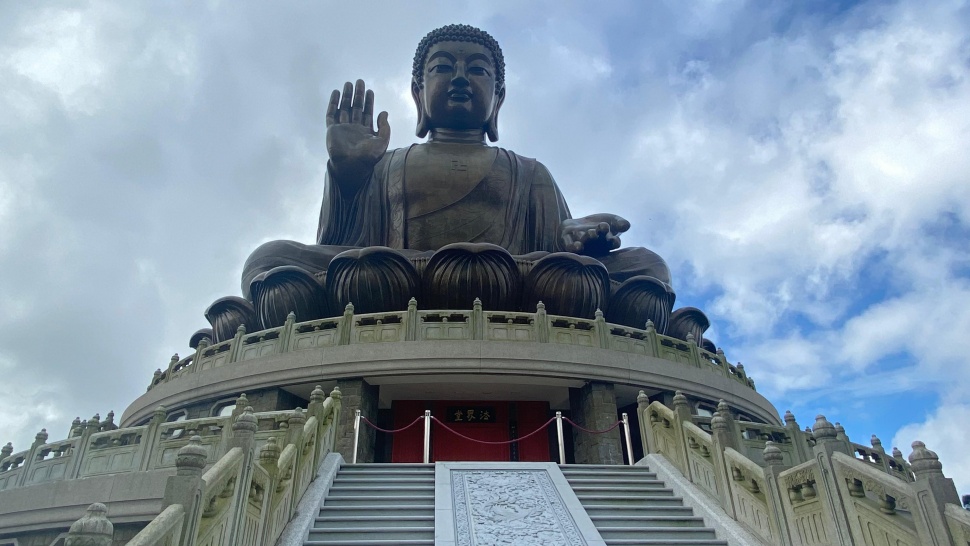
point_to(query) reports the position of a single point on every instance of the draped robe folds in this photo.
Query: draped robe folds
(516, 205)
(377, 216)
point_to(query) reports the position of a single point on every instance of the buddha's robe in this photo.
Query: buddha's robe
(515, 205)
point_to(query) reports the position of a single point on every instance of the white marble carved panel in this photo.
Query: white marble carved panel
(519, 507)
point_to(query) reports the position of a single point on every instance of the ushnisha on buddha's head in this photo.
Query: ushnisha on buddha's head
(458, 81)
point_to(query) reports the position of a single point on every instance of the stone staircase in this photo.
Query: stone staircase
(377, 504)
(630, 506)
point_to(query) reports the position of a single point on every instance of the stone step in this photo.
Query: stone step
(608, 474)
(327, 521)
(370, 542)
(372, 500)
(391, 511)
(662, 511)
(392, 488)
(365, 478)
(657, 488)
(637, 520)
(603, 468)
(389, 534)
(664, 542)
(580, 479)
(607, 493)
(388, 467)
(655, 533)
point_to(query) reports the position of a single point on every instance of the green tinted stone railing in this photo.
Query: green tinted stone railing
(442, 325)
(786, 486)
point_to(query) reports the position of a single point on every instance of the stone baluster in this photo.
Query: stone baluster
(346, 325)
(151, 438)
(7, 450)
(477, 320)
(542, 323)
(827, 483)
(695, 354)
(171, 367)
(775, 465)
(317, 399)
(93, 529)
(602, 330)
(156, 377)
(411, 321)
(294, 437)
(725, 365)
(903, 464)
(643, 419)
(932, 492)
(652, 342)
(682, 414)
(109, 422)
(800, 440)
(200, 350)
(242, 402)
(39, 439)
(723, 437)
(236, 345)
(286, 333)
(243, 436)
(75, 428)
(185, 487)
(840, 433)
(880, 453)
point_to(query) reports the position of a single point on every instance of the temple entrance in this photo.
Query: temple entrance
(492, 421)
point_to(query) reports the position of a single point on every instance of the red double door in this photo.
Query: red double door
(489, 421)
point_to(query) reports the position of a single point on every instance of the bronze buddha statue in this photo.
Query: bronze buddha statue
(449, 219)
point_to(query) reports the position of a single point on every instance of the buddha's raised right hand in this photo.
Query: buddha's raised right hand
(353, 144)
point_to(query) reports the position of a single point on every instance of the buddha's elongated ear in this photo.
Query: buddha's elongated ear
(491, 125)
(422, 128)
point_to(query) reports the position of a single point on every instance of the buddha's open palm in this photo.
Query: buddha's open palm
(594, 235)
(353, 144)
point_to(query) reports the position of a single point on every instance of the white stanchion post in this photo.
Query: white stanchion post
(427, 436)
(356, 435)
(626, 435)
(562, 447)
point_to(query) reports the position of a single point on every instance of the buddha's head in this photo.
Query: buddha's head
(458, 81)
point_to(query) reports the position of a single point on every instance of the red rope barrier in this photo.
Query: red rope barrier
(456, 433)
(616, 424)
(364, 419)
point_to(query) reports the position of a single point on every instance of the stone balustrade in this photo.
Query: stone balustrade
(476, 324)
(231, 480)
(786, 486)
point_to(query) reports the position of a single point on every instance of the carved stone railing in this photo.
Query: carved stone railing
(433, 325)
(237, 478)
(810, 487)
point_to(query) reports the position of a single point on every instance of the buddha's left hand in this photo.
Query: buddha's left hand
(594, 235)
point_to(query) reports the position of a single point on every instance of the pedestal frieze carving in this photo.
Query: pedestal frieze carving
(460, 272)
(519, 507)
(568, 284)
(640, 299)
(688, 320)
(227, 314)
(374, 279)
(282, 290)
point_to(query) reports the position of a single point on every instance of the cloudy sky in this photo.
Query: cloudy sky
(802, 166)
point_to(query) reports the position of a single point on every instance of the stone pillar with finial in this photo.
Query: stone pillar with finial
(346, 325)
(932, 492)
(803, 448)
(643, 419)
(722, 438)
(243, 436)
(775, 465)
(185, 487)
(152, 437)
(827, 483)
(682, 414)
(39, 439)
(93, 529)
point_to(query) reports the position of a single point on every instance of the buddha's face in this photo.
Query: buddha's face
(459, 86)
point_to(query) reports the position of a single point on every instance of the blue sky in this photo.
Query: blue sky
(801, 166)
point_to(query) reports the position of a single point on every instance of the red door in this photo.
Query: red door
(469, 419)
